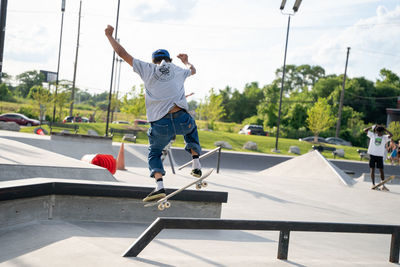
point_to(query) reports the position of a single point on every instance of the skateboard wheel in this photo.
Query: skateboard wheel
(198, 186)
(167, 205)
(161, 206)
(204, 184)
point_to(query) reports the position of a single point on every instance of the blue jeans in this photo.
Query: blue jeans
(161, 133)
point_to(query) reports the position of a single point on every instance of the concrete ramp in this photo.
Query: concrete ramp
(20, 161)
(310, 166)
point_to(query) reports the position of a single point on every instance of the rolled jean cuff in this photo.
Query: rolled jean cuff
(195, 147)
(153, 171)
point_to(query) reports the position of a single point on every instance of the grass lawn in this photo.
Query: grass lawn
(207, 139)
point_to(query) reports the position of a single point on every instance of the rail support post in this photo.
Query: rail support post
(395, 247)
(147, 236)
(283, 246)
(170, 160)
(219, 158)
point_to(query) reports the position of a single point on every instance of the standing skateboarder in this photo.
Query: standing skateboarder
(376, 150)
(166, 108)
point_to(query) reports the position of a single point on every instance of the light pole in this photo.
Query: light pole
(342, 95)
(3, 15)
(112, 73)
(295, 9)
(59, 55)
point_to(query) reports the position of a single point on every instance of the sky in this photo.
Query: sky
(230, 42)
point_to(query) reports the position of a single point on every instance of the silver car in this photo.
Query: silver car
(337, 141)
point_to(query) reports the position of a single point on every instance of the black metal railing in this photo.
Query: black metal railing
(284, 227)
(209, 153)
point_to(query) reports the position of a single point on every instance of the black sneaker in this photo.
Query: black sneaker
(155, 195)
(196, 173)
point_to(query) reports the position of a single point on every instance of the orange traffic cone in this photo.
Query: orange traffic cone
(121, 158)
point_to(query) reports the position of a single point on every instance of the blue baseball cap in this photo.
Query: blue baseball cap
(160, 53)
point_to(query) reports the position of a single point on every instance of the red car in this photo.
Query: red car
(20, 119)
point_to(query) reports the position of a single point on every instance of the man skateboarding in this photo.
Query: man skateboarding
(376, 150)
(166, 108)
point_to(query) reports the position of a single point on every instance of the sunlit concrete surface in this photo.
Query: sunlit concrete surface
(277, 194)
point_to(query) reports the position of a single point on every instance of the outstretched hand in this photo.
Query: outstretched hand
(184, 58)
(109, 30)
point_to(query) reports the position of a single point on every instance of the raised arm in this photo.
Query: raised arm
(390, 134)
(367, 129)
(185, 60)
(117, 47)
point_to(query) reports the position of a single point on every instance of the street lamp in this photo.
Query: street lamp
(59, 54)
(295, 9)
(112, 73)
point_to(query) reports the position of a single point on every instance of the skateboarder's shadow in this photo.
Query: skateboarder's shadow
(251, 192)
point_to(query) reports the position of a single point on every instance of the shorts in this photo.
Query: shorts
(375, 161)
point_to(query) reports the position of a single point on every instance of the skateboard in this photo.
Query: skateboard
(384, 182)
(163, 203)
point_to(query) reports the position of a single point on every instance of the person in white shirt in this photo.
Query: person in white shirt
(377, 149)
(166, 108)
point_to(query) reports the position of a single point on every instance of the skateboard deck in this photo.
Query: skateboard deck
(384, 182)
(163, 203)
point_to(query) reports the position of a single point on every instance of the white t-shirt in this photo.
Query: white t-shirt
(164, 87)
(377, 144)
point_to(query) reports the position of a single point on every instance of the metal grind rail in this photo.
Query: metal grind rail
(209, 153)
(284, 228)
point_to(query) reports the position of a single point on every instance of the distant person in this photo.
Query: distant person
(166, 108)
(392, 151)
(398, 153)
(376, 150)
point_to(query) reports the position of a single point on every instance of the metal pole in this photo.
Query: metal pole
(342, 95)
(112, 74)
(59, 56)
(71, 109)
(115, 86)
(3, 15)
(283, 80)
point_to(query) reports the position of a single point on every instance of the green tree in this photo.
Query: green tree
(42, 97)
(299, 78)
(320, 117)
(388, 77)
(134, 102)
(27, 80)
(5, 93)
(394, 128)
(268, 108)
(6, 78)
(211, 109)
(325, 86)
(62, 101)
(297, 116)
(192, 104)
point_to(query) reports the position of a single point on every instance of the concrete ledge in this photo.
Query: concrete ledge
(105, 202)
(17, 172)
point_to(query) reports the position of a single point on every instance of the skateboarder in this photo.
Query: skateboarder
(166, 108)
(376, 150)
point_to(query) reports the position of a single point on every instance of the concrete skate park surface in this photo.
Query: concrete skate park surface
(285, 192)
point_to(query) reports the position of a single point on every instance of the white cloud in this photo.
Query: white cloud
(371, 40)
(231, 42)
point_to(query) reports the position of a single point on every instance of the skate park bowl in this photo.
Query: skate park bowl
(72, 220)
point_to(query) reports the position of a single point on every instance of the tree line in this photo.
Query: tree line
(310, 101)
